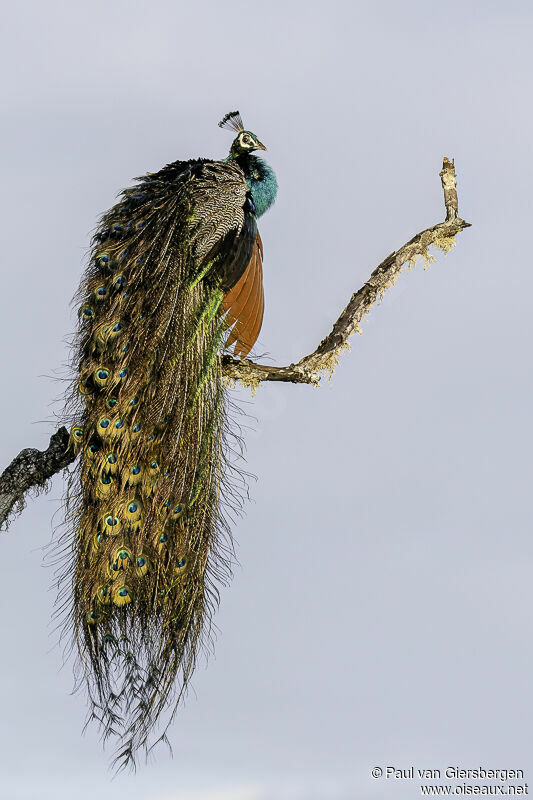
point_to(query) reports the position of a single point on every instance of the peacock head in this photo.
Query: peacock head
(245, 141)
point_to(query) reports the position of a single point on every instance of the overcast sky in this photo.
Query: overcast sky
(383, 610)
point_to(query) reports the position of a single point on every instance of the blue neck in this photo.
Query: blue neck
(261, 181)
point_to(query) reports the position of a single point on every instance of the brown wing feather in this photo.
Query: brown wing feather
(239, 333)
(249, 331)
(244, 304)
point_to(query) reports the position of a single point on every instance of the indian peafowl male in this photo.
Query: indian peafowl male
(174, 266)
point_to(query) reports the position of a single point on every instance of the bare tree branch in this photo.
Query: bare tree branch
(325, 357)
(32, 468)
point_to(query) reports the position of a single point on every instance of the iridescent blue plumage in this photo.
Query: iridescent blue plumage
(261, 182)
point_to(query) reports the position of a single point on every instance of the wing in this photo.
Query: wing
(221, 226)
(244, 304)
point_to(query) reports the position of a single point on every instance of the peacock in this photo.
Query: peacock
(174, 280)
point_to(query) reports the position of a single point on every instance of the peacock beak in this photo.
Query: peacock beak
(260, 146)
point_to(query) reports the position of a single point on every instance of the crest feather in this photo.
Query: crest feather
(232, 121)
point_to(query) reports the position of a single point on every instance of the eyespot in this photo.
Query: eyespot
(132, 512)
(163, 538)
(154, 465)
(94, 617)
(141, 565)
(117, 228)
(113, 330)
(100, 376)
(182, 562)
(107, 480)
(103, 260)
(112, 458)
(101, 293)
(92, 449)
(123, 373)
(110, 520)
(177, 512)
(124, 349)
(83, 387)
(134, 401)
(119, 424)
(111, 402)
(87, 312)
(122, 596)
(135, 471)
(123, 555)
(136, 428)
(120, 280)
(104, 423)
(123, 254)
(103, 595)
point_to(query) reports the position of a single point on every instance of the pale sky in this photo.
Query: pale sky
(382, 613)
